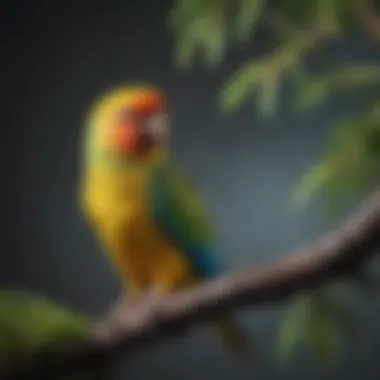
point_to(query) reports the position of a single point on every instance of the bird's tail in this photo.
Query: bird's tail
(233, 337)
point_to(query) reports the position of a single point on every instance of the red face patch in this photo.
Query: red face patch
(145, 104)
(127, 134)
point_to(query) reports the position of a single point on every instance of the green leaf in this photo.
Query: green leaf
(359, 75)
(336, 184)
(348, 168)
(328, 323)
(313, 93)
(321, 337)
(28, 322)
(268, 97)
(315, 179)
(199, 28)
(188, 41)
(204, 35)
(240, 86)
(183, 13)
(317, 320)
(333, 197)
(289, 56)
(328, 14)
(214, 43)
(248, 14)
(184, 52)
(292, 327)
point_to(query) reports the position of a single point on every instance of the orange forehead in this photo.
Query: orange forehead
(142, 99)
(146, 101)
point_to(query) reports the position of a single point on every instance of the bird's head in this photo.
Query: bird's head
(130, 122)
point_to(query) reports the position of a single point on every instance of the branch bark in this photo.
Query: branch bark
(340, 252)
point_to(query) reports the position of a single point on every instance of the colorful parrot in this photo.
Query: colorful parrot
(144, 209)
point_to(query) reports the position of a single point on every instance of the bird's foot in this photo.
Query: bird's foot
(134, 308)
(125, 305)
(150, 299)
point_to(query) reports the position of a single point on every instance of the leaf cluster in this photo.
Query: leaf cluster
(208, 27)
(350, 165)
(318, 321)
(298, 32)
(30, 323)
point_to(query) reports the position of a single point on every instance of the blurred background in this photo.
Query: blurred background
(56, 58)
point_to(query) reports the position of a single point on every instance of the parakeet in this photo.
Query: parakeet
(144, 209)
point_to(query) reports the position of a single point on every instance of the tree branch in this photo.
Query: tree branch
(368, 17)
(338, 253)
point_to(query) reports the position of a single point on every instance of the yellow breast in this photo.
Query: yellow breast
(107, 190)
(115, 203)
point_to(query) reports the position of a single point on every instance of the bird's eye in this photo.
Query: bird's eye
(157, 125)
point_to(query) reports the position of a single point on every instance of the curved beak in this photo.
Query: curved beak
(158, 128)
(131, 137)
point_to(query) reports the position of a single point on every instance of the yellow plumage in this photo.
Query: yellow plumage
(113, 199)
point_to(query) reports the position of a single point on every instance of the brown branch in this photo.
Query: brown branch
(338, 253)
(368, 17)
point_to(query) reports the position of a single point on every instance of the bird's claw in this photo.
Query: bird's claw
(132, 309)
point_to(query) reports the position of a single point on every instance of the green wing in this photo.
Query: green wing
(182, 217)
